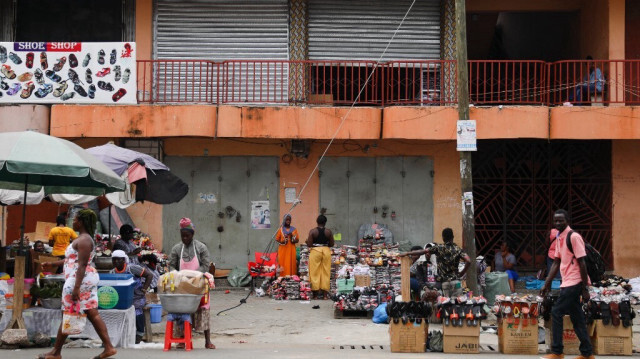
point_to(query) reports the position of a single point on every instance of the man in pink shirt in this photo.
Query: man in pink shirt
(575, 284)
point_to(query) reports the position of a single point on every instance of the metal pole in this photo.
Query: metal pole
(109, 222)
(466, 179)
(24, 211)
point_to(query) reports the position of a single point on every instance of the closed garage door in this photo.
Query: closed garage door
(361, 29)
(221, 30)
(220, 189)
(395, 191)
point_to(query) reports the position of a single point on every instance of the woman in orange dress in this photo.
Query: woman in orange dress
(287, 237)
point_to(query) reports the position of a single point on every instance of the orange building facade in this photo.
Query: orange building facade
(379, 131)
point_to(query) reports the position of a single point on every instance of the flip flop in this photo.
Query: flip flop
(516, 313)
(477, 314)
(209, 346)
(525, 314)
(605, 312)
(625, 313)
(470, 317)
(615, 313)
(507, 313)
(460, 315)
(446, 311)
(454, 315)
(534, 312)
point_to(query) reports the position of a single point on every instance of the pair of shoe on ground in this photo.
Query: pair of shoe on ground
(561, 356)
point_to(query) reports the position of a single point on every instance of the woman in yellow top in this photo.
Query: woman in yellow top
(60, 237)
(287, 237)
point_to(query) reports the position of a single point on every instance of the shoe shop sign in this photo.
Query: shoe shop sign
(68, 72)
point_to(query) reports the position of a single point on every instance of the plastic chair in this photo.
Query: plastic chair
(170, 339)
(263, 259)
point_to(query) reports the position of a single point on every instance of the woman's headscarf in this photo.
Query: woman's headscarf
(185, 223)
(290, 230)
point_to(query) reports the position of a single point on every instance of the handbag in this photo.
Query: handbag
(73, 320)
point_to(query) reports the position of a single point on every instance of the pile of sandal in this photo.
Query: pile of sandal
(611, 313)
(523, 310)
(613, 281)
(414, 312)
(454, 311)
(365, 299)
(289, 288)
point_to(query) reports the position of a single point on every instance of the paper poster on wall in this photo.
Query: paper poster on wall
(466, 135)
(289, 194)
(68, 72)
(337, 236)
(260, 215)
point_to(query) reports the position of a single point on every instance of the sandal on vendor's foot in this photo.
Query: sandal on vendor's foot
(49, 355)
(209, 346)
(180, 346)
(106, 354)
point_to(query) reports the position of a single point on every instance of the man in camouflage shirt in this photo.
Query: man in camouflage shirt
(449, 256)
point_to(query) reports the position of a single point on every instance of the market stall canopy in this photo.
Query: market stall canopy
(118, 158)
(161, 186)
(57, 165)
(10, 197)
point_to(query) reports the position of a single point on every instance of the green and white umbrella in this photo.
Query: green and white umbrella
(31, 161)
(60, 166)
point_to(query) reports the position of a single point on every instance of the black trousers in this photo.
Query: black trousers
(569, 303)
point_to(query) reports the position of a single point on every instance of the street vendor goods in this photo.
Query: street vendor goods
(460, 310)
(184, 282)
(523, 310)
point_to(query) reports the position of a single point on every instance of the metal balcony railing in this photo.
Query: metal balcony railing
(395, 83)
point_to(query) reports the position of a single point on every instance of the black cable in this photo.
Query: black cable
(253, 287)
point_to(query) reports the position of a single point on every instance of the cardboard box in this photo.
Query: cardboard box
(461, 340)
(363, 281)
(43, 258)
(517, 339)
(611, 340)
(408, 338)
(42, 231)
(570, 341)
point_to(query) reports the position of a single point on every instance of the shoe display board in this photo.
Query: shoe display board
(517, 338)
(409, 337)
(612, 340)
(68, 72)
(569, 339)
(463, 339)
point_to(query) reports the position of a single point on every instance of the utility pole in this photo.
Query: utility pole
(466, 179)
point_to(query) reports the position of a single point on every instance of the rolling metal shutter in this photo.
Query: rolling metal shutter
(361, 29)
(217, 30)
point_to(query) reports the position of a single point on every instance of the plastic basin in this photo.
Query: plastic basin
(51, 303)
(180, 303)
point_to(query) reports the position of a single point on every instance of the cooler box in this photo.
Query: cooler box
(115, 291)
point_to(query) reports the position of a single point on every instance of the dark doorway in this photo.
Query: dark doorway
(69, 21)
(546, 36)
(518, 184)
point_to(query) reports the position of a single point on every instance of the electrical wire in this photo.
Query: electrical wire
(335, 134)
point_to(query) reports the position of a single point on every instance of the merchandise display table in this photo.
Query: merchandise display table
(121, 324)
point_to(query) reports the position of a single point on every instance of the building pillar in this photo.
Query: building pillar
(298, 49)
(448, 49)
(617, 88)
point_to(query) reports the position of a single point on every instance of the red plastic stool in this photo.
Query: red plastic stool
(170, 339)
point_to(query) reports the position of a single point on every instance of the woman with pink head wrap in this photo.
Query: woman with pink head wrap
(194, 255)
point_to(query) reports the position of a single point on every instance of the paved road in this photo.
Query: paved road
(265, 328)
